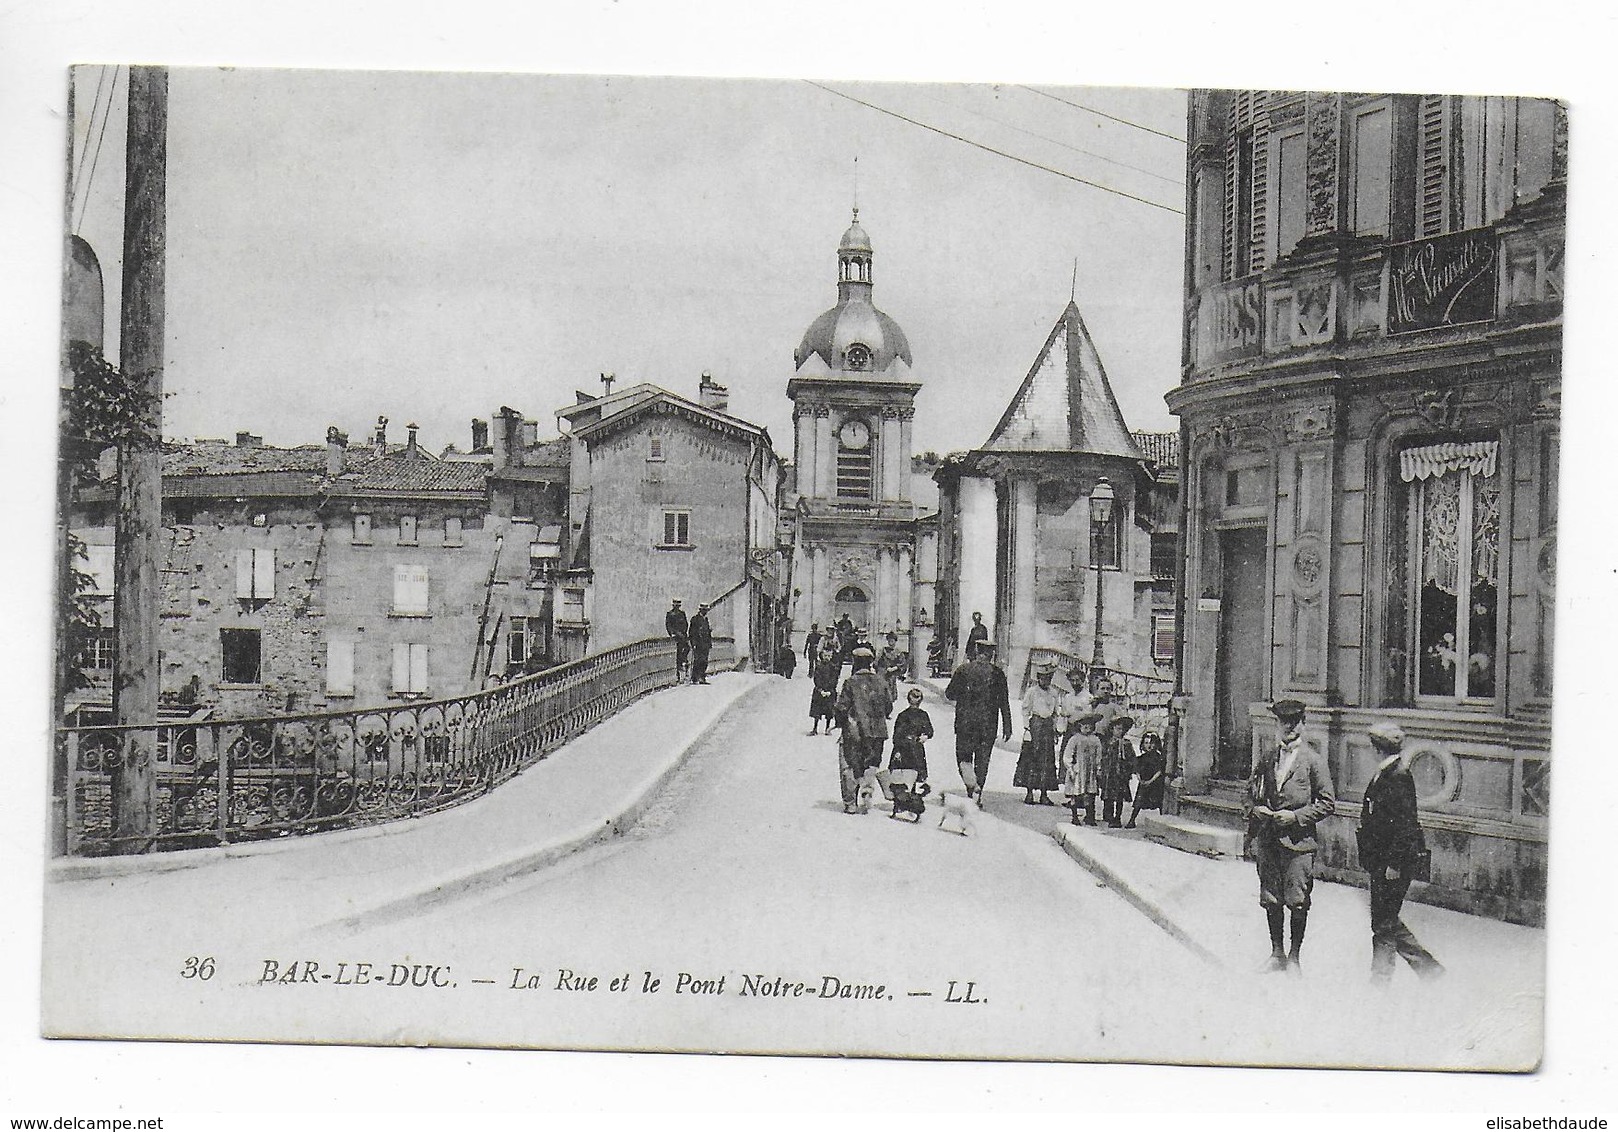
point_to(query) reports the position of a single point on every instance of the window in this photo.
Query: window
(98, 563)
(859, 356)
(407, 530)
(1454, 503)
(362, 530)
(410, 586)
(676, 528)
(1165, 554)
(545, 554)
(1244, 487)
(1371, 166)
(1241, 248)
(1287, 183)
(1163, 638)
(255, 573)
(98, 651)
(654, 447)
(409, 669)
(572, 611)
(1505, 154)
(339, 668)
(241, 649)
(452, 531)
(522, 641)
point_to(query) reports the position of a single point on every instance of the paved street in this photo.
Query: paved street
(770, 919)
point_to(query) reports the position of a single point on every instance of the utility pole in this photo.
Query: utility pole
(135, 677)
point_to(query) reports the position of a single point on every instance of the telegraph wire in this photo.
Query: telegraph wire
(112, 91)
(84, 154)
(1104, 114)
(996, 152)
(1175, 181)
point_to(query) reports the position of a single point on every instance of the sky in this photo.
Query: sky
(429, 247)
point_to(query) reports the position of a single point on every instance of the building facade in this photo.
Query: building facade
(673, 498)
(853, 403)
(1370, 403)
(1017, 540)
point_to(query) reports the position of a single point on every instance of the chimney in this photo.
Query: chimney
(379, 442)
(712, 395)
(530, 433)
(410, 444)
(480, 434)
(248, 440)
(336, 451)
(507, 438)
(606, 383)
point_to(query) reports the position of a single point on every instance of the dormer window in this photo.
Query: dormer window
(859, 356)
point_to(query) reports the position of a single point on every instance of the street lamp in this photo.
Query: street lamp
(1100, 515)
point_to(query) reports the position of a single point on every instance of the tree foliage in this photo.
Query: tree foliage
(102, 408)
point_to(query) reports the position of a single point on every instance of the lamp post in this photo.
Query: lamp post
(1100, 515)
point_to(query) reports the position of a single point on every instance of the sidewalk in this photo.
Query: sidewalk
(586, 791)
(1211, 903)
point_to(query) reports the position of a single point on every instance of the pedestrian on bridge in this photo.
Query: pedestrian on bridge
(678, 628)
(701, 645)
(863, 707)
(981, 697)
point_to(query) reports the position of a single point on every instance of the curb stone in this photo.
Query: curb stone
(534, 858)
(1073, 846)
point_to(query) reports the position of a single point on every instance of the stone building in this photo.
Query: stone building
(322, 577)
(853, 401)
(672, 498)
(1371, 397)
(1016, 539)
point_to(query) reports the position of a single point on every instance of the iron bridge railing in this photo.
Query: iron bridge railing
(235, 780)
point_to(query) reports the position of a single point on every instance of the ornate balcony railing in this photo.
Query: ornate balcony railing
(236, 780)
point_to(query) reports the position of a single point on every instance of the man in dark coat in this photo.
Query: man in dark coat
(978, 635)
(1289, 793)
(845, 638)
(863, 707)
(701, 645)
(981, 697)
(677, 627)
(1390, 842)
(811, 646)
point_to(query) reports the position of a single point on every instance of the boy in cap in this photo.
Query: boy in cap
(1391, 845)
(1289, 792)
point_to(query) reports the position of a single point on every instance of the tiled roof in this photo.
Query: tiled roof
(1161, 448)
(415, 473)
(1065, 404)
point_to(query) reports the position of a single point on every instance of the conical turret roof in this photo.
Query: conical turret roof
(1065, 404)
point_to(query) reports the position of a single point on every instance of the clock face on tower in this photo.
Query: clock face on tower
(854, 434)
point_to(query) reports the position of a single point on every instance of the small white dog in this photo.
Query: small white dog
(960, 809)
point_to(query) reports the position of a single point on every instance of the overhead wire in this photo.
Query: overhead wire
(1104, 114)
(1175, 181)
(84, 153)
(996, 152)
(95, 159)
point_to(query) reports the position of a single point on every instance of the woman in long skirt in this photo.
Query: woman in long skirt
(824, 669)
(1036, 765)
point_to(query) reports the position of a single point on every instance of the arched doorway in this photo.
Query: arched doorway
(853, 601)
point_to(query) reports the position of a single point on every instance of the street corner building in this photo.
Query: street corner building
(1370, 419)
(1024, 540)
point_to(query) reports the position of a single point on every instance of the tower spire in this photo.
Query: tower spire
(856, 188)
(1073, 295)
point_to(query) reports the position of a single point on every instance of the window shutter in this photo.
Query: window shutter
(401, 668)
(410, 589)
(264, 573)
(340, 668)
(684, 527)
(1163, 638)
(670, 528)
(1259, 245)
(1434, 188)
(452, 531)
(244, 574)
(362, 528)
(418, 668)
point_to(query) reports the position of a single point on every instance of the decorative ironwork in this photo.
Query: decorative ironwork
(235, 780)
